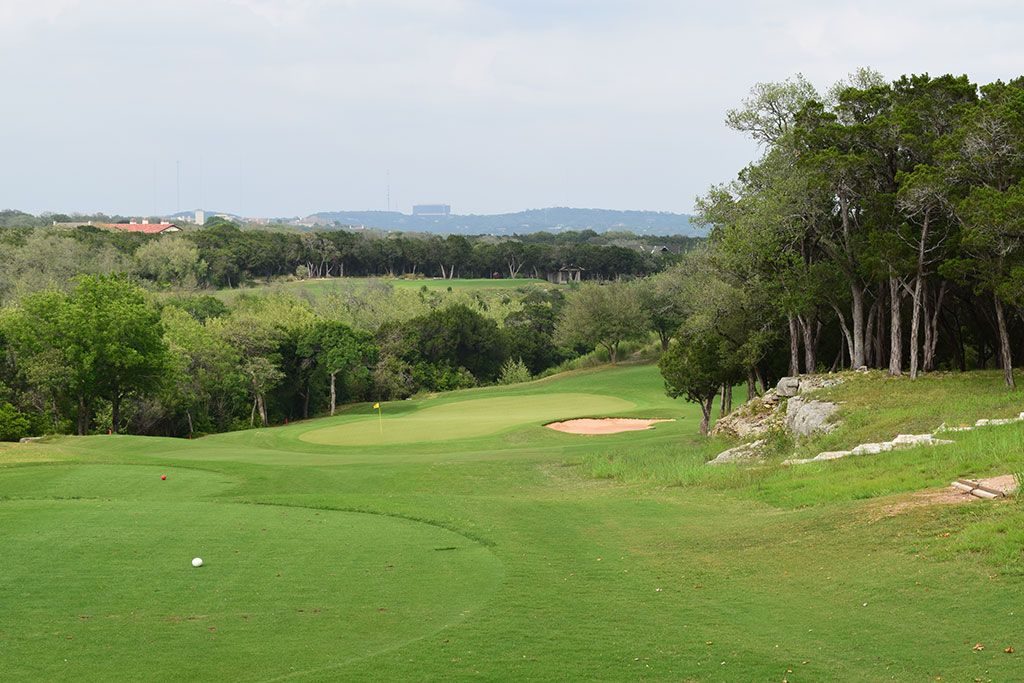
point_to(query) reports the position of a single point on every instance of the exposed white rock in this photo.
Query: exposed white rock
(992, 423)
(911, 440)
(873, 448)
(831, 455)
(805, 417)
(741, 453)
(900, 442)
(788, 386)
(820, 457)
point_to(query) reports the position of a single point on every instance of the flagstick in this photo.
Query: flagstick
(380, 418)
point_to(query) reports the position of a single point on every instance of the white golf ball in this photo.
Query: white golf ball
(197, 562)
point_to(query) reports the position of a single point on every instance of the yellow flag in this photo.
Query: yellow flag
(376, 406)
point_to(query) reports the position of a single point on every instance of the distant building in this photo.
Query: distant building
(143, 226)
(432, 210)
(565, 275)
(200, 217)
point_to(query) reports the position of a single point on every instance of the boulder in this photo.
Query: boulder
(805, 417)
(742, 453)
(753, 419)
(788, 386)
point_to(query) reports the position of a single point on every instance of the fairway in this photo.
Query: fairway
(465, 419)
(340, 284)
(476, 544)
(272, 575)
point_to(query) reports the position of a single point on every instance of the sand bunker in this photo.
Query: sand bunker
(607, 425)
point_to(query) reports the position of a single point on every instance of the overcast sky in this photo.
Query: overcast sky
(286, 107)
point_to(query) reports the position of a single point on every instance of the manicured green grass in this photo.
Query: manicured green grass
(330, 285)
(458, 420)
(514, 553)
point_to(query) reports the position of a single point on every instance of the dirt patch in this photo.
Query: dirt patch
(607, 425)
(945, 496)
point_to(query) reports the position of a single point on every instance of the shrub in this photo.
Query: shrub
(14, 424)
(514, 372)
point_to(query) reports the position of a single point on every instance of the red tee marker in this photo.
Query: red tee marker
(162, 477)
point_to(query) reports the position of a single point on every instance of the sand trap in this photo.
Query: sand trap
(606, 425)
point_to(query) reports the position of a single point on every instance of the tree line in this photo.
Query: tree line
(882, 227)
(106, 355)
(223, 255)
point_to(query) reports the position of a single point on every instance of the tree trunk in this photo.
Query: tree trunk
(334, 393)
(115, 411)
(1005, 354)
(895, 327)
(761, 380)
(728, 399)
(191, 429)
(915, 326)
(931, 331)
(846, 334)
(262, 404)
(810, 352)
(721, 406)
(83, 416)
(857, 311)
(881, 339)
(871, 350)
(751, 385)
(705, 408)
(794, 347)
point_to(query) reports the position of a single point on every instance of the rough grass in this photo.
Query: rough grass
(517, 554)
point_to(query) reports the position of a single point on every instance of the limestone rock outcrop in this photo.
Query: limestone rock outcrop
(808, 416)
(742, 453)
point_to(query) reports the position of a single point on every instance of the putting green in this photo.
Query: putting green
(286, 576)
(465, 419)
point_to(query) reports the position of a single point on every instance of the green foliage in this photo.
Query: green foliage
(13, 423)
(531, 335)
(171, 261)
(514, 371)
(459, 337)
(602, 314)
(692, 367)
(101, 341)
(45, 259)
(202, 307)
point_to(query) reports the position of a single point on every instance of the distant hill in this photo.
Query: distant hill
(534, 220)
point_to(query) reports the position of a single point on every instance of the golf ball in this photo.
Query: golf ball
(197, 562)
